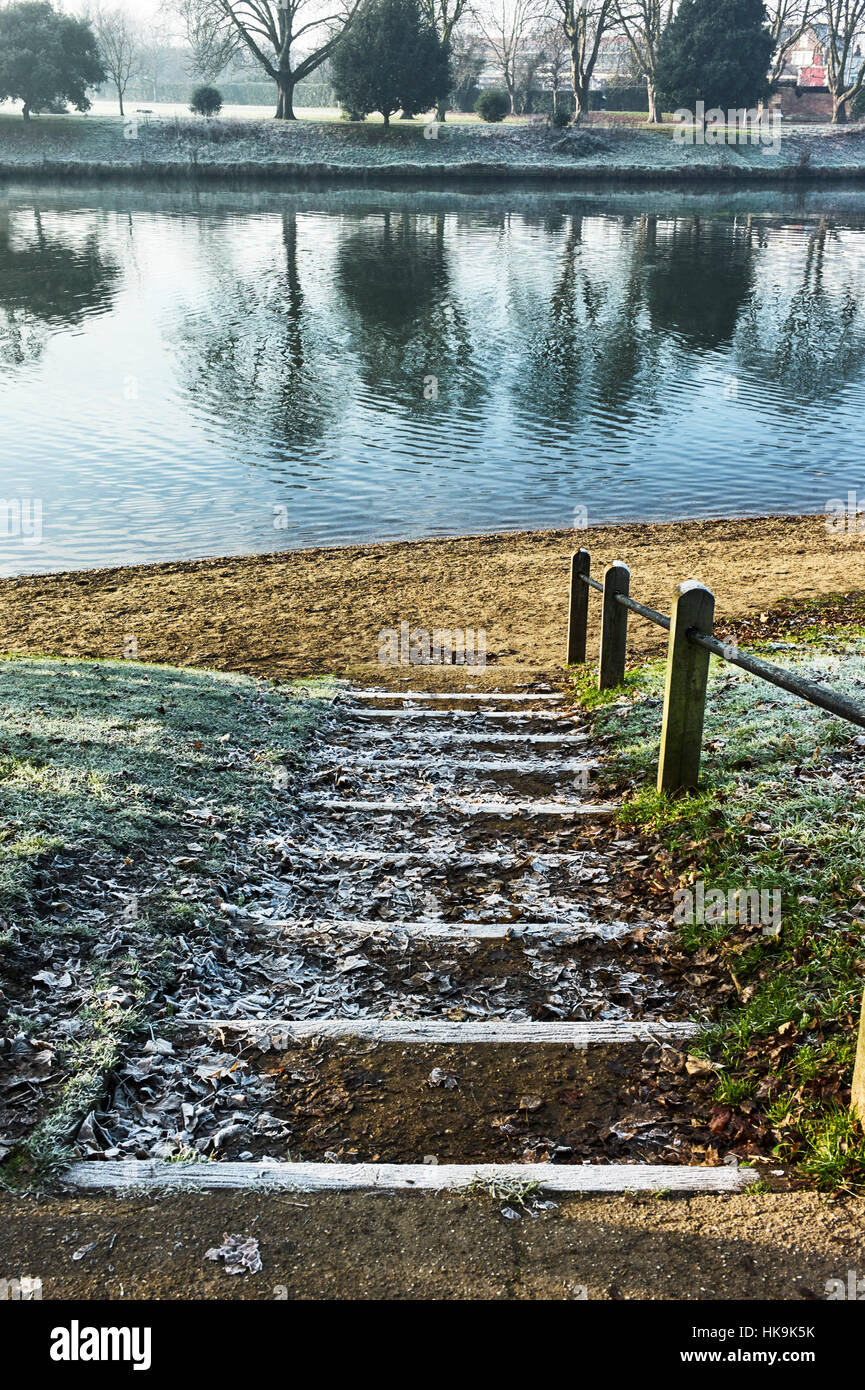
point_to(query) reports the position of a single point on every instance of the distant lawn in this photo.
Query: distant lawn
(130, 798)
(782, 806)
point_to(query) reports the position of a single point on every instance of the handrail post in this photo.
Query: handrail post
(614, 627)
(578, 607)
(685, 688)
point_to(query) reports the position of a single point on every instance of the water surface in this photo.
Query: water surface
(210, 373)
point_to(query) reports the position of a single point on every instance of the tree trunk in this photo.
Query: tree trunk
(581, 97)
(120, 99)
(839, 111)
(285, 105)
(26, 112)
(441, 112)
(386, 115)
(655, 114)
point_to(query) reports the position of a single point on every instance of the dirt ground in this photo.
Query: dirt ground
(308, 612)
(435, 1246)
(314, 611)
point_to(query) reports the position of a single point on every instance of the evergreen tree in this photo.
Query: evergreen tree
(716, 53)
(392, 59)
(47, 59)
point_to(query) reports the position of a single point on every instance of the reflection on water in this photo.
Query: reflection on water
(47, 279)
(209, 376)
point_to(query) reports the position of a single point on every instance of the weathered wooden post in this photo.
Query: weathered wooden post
(578, 608)
(857, 1098)
(685, 690)
(614, 627)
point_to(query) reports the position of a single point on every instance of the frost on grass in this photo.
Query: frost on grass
(782, 806)
(130, 798)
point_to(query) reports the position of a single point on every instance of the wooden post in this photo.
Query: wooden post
(614, 627)
(685, 691)
(857, 1098)
(578, 608)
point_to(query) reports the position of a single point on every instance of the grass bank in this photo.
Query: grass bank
(781, 808)
(151, 147)
(131, 797)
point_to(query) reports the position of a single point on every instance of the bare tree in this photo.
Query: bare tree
(155, 50)
(556, 59)
(467, 59)
(584, 25)
(845, 65)
(444, 16)
(508, 26)
(120, 45)
(788, 20)
(218, 30)
(643, 22)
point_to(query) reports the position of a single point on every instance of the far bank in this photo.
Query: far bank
(187, 149)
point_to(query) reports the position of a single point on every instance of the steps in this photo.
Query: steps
(502, 916)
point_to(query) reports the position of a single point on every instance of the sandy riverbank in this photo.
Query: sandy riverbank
(314, 611)
(151, 148)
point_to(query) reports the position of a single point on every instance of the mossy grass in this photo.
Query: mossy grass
(781, 806)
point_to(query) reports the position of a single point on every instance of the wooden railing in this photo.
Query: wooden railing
(691, 643)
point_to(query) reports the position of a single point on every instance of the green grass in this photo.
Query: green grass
(131, 796)
(781, 806)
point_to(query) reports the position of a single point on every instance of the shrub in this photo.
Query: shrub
(206, 101)
(492, 105)
(559, 118)
(391, 59)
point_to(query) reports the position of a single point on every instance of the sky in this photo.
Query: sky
(142, 9)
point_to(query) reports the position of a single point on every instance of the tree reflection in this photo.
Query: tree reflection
(808, 338)
(47, 282)
(594, 347)
(699, 278)
(407, 323)
(261, 358)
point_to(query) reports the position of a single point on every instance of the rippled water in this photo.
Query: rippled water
(184, 375)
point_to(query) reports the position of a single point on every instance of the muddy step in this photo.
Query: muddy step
(487, 696)
(402, 1177)
(411, 778)
(444, 882)
(458, 859)
(384, 764)
(450, 806)
(480, 714)
(460, 738)
(315, 974)
(237, 1098)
